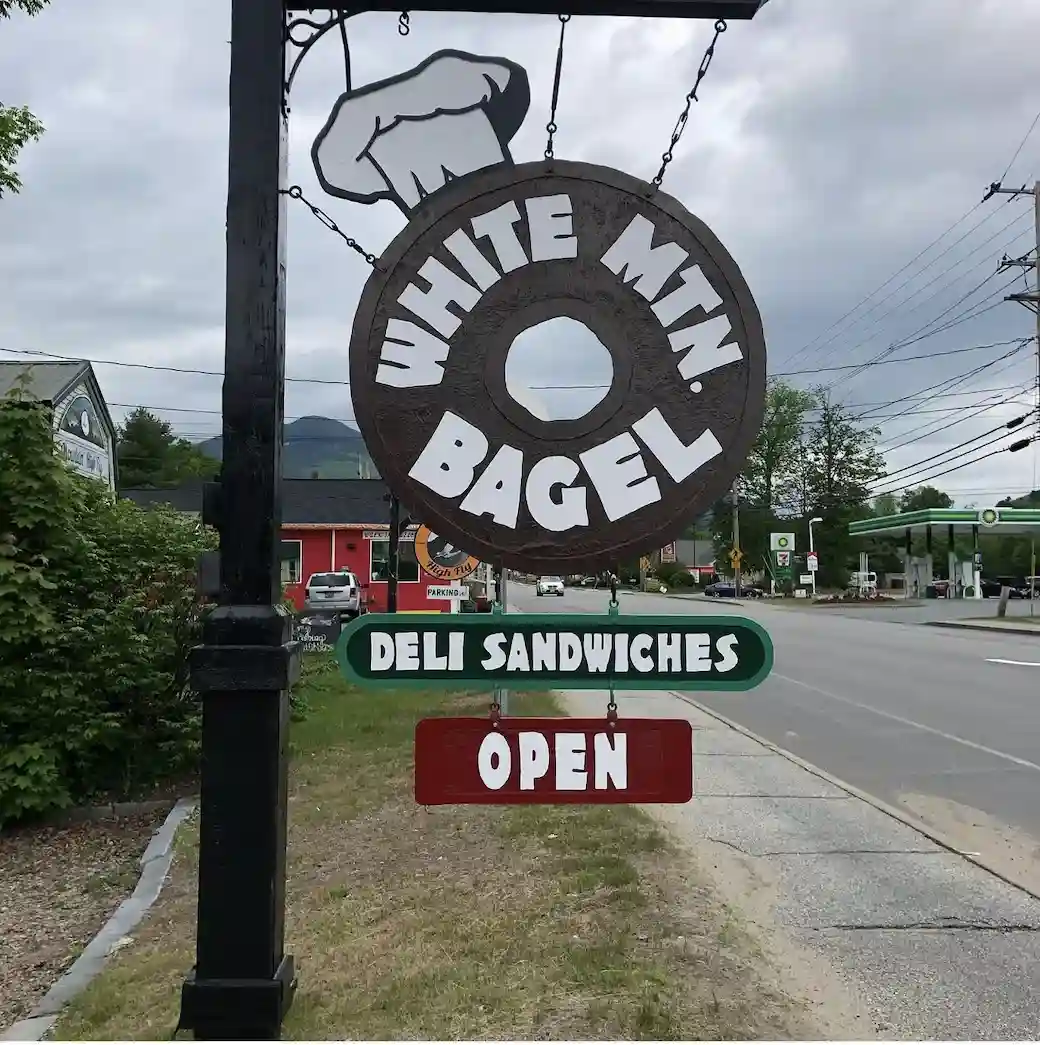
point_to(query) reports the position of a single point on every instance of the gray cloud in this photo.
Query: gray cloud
(833, 141)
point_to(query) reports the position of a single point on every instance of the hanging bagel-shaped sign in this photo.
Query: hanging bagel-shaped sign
(503, 248)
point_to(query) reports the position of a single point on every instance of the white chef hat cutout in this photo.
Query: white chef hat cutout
(403, 138)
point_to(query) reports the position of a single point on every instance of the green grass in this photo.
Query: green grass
(457, 922)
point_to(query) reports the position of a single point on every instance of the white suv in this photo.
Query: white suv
(549, 586)
(336, 592)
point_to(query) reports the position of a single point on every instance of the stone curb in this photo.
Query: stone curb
(113, 811)
(993, 629)
(155, 865)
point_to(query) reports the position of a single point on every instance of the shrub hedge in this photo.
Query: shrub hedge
(98, 609)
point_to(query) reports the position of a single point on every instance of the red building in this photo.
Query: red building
(330, 524)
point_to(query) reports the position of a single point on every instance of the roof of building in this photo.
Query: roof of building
(332, 502)
(47, 381)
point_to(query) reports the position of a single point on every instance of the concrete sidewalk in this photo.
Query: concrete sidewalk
(889, 933)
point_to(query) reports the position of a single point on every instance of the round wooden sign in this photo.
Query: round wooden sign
(501, 251)
(440, 558)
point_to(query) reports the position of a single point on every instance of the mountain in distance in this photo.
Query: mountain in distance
(316, 448)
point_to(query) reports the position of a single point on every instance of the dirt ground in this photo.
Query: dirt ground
(58, 886)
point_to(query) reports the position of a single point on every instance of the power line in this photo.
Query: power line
(964, 217)
(856, 366)
(1021, 146)
(959, 379)
(1013, 448)
(920, 333)
(1004, 428)
(915, 275)
(952, 424)
(895, 308)
(921, 393)
(154, 366)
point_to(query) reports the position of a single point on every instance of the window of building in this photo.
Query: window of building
(292, 562)
(407, 564)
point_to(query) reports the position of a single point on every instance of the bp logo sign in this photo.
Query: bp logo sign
(507, 248)
(989, 517)
(781, 542)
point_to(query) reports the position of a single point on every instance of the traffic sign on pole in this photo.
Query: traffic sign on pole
(812, 562)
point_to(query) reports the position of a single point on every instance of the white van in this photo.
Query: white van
(861, 580)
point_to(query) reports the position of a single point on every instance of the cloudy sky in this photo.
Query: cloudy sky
(835, 141)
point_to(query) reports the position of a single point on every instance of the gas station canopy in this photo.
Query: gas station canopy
(1003, 521)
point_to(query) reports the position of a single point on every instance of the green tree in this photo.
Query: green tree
(924, 497)
(98, 610)
(770, 482)
(152, 457)
(18, 126)
(770, 478)
(886, 504)
(841, 465)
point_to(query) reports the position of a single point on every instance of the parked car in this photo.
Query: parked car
(549, 586)
(333, 592)
(728, 590)
(990, 588)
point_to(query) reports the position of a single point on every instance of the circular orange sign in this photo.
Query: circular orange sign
(440, 558)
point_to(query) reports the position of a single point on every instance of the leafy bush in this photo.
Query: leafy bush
(97, 612)
(667, 571)
(682, 579)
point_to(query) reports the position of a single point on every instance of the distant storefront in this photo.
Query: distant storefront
(83, 430)
(330, 525)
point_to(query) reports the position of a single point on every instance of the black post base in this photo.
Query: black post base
(238, 1010)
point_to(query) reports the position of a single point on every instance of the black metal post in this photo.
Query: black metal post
(242, 982)
(394, 554)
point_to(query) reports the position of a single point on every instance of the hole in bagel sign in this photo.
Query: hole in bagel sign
(532, 760)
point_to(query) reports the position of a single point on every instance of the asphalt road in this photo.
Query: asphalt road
(894, 709)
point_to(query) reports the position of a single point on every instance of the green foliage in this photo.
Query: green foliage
(666, 572)
(18, 126)
(924, 497)
(772, 478)
(802, 466)
(152, 457)
(97, 612)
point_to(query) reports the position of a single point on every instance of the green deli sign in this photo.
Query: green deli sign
(547, 651)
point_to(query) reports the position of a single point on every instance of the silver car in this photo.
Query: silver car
(333, 592)
(549, 586)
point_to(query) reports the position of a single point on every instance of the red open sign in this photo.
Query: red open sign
(475, 761)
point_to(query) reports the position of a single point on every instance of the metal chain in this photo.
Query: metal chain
(404, 26)
(680, 125)
(551, 127)
(612, 610)
(296, 193)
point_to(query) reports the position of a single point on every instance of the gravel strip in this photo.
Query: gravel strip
(58, 886)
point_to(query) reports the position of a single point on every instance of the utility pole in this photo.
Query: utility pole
(1031, 299)
(736, 537)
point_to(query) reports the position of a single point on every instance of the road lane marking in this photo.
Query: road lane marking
(1014, 759)
(1015, 663)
